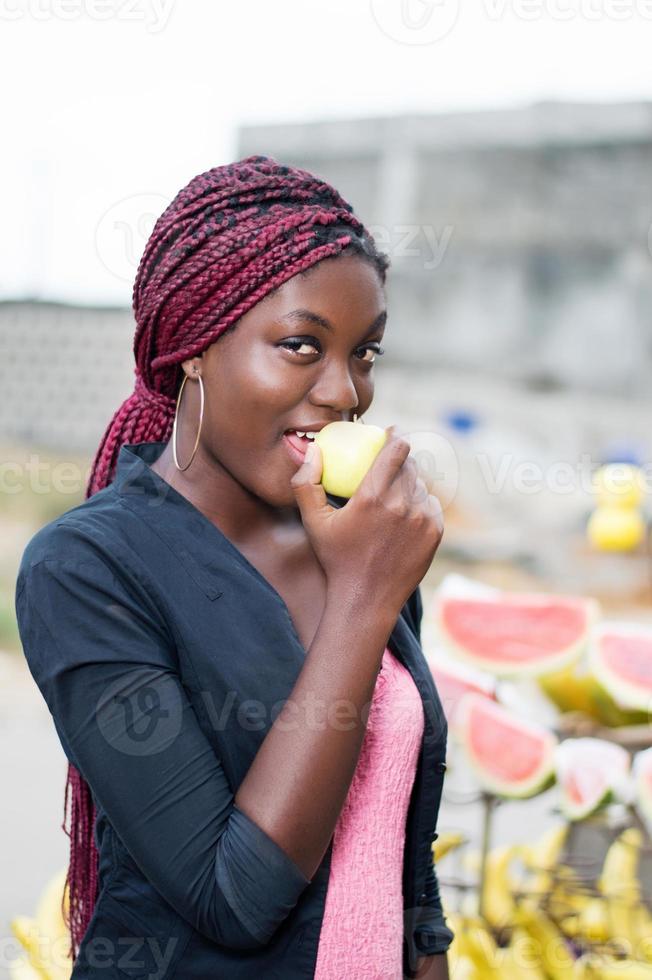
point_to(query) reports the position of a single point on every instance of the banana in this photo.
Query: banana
(594, 921)
(544, 854)
(21, 969)
(52, 927)
(518, 960)
(567, 901)
(542, 857)
(482, 946)
(630, 921)
(25, 930)
(550, 946)
(465, 969)
(472, 947)
(498, 900)
(446, 842)
(619, 871)
(610, 968)
(45, 937)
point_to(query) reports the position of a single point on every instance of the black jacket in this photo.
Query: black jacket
(164, 656)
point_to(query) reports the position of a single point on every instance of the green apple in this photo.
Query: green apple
(348, 449)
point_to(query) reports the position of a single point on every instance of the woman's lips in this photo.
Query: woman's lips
(296, 446)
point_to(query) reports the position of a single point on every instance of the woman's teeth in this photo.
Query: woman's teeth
(304, 435)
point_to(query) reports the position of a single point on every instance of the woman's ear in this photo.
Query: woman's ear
(192, 366)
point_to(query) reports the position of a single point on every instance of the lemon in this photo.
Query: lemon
(615, 528)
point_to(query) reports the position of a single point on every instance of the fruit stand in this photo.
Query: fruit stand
(543, 694)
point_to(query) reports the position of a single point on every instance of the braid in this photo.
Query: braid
(229, 238)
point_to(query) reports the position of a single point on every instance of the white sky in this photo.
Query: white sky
(110, 106)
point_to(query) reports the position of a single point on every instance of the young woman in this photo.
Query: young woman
(231, 657)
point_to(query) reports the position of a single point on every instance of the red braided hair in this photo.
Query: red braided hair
(233, 235)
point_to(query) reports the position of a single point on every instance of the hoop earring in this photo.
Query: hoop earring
(176, 416)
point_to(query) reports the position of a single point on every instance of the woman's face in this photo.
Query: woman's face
(303, 356)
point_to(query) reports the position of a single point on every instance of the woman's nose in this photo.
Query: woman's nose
(335, 389)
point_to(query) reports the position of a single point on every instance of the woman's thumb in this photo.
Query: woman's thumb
(306, 484)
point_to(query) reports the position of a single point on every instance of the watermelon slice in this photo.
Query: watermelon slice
(620, 657)
(454, 679)
(510, 756)
(642, 778)
(515, 634)
(591, 772)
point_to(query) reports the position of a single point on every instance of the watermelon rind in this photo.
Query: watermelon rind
(594, 761)
(535, 661)
(642, 780)
(477, 707)
(626, 694)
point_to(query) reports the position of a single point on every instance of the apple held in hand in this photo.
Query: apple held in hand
(348, 449)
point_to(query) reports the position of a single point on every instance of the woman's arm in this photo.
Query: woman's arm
(103, 659)
(298, 782)
(433, 967)
(107, 669)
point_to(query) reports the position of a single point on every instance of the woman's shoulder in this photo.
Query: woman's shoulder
(83, 532)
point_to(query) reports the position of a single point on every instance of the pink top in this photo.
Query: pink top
(362, 929)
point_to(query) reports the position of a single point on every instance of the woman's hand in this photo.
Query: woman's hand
(382, 541)
(432, 967)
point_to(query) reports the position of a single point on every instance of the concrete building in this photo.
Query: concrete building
(520, 239)
(521, 258)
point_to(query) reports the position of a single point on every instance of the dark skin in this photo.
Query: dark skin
(257, 386)
(255, 389)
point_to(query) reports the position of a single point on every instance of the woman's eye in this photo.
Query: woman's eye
(374, 349)
(296, 344)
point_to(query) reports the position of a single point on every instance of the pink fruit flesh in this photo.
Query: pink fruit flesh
(505, 751)
(513, 632)
(629, 657)
(451, 689)
(583, 785)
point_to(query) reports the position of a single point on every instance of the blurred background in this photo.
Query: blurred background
(501, 154)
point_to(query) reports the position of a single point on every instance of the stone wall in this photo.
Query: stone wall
(64, 371)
